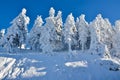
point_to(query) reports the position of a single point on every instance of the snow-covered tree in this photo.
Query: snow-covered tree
(107, 34)
(95, 35)
(2, 33)
(45, 41)
(101, 33)
(52, 12)
(69, 32)
(17, 33)
(58, 28)
(49, 34)
(35, 34)
(59, 23)
(83, 32)
(116, 38)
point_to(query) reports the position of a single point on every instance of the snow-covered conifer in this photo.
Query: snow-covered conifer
(49, 36)
(58, 28)
(116, 38)
(2, 33)
(69, 31)
(52, 12)
(17, 33)
(101, 32)
(35, 34)
(59, 23)
(83, 31)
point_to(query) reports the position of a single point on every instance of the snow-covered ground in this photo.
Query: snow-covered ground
(58, 66)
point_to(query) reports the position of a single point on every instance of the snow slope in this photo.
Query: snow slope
(58, 66)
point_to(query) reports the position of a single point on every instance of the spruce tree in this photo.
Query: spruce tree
(83, 32)
(69, 32)
(17, 33)
(35, 34)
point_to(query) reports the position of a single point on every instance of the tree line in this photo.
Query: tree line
(98, 36)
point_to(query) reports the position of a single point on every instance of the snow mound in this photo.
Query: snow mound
(33, 72)
(76, 64)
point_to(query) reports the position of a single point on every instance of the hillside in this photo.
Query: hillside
(58, 66)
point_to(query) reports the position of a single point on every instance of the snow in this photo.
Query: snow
(23, 46)
(6, 66)
(33, 71)
(35, 66)
(76, 64)
(24, 11)
(3, 31)
(52, 12)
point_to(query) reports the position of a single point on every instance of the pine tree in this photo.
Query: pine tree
(116, 39)
(45, 41)
(101, 33)
(95, 35)
(35, 34)
(2, 33)
(17, 33)
(69, 31)
(109, 32)
(49, 36)
(83, 32)
(58, 28)
(59, 23)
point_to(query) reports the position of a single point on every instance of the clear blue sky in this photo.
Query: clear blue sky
(9, 9)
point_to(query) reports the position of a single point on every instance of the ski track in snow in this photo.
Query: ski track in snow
(57, 66)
